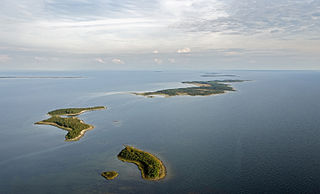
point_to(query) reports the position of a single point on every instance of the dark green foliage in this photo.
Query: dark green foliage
(209, 88)
(73, 123)
(72, 111)
(148, 163)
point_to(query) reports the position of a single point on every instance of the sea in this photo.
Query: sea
(262, 138)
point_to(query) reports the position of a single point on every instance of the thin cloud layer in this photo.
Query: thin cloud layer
(289, 17)
(40, 30)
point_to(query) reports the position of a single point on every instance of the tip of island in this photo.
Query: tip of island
(110, 175)
(76, 128)
(202, 88)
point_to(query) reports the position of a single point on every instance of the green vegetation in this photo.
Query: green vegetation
(110, 175)
(73, 111)
(150, 166)
(75, 127)
(203, 88)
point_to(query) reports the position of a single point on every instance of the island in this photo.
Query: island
(76, 128)
(203, 88)
(110, 175)
(150, 166)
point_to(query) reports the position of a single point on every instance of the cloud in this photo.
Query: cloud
(79, 31)
(117, 61)
(4, 58)
(171, 60)
(99, 60)
(184, 50)
(283, 17)
(158, 61)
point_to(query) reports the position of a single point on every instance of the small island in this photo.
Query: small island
(203, 88)
(110, 175)
(76, 128)
(150, 166)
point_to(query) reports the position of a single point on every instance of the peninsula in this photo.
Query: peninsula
(76, 128)
(110, 175)
(202, 88)
(150, 166)
(73, 111)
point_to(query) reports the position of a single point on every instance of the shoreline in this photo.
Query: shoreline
(76, 114)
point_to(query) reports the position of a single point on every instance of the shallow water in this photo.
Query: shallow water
(263, 138)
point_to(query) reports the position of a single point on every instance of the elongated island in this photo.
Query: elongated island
(150, 166)
(76, 128)
(202, 88)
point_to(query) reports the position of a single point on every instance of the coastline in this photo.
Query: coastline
(76, 114)
(180, 94)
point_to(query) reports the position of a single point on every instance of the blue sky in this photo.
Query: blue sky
(159, 34)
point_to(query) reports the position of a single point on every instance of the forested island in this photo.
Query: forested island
(150, 166)
(203, 88)
(76, 128)
(110, 175)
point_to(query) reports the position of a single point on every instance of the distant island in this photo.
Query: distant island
(150, 166)
(110, 175)
(203, 88)
(76, 128)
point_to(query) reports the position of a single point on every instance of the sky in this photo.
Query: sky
(159, 34)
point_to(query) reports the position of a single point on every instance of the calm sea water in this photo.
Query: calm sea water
(263, 138)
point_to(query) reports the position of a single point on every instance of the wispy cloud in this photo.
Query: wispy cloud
(289, 17)
(137, 30)
(184, 50)
(99, 60)
(117, 61)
